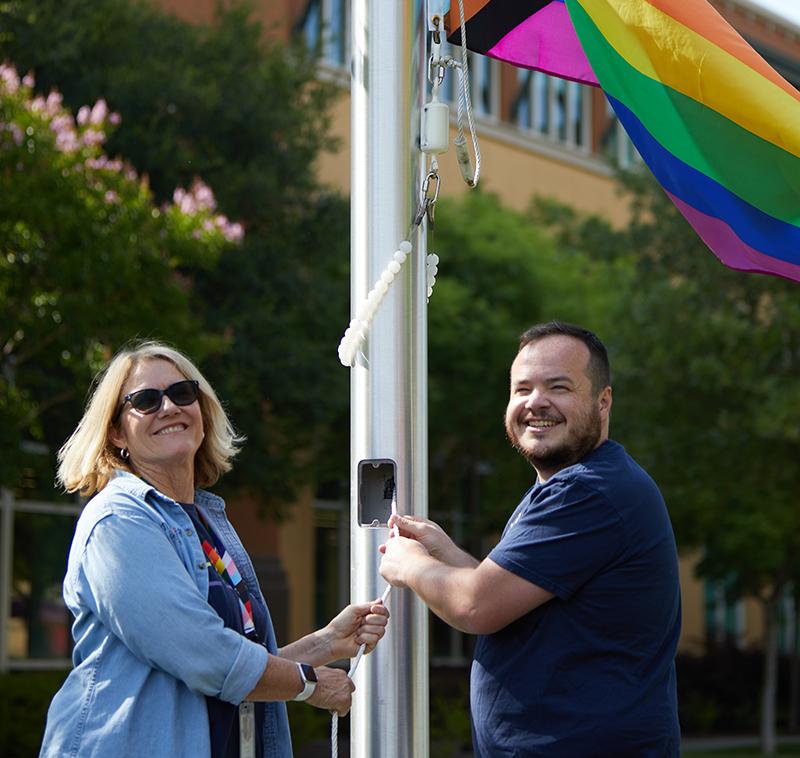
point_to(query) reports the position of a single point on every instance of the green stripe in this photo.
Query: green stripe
(763, 174)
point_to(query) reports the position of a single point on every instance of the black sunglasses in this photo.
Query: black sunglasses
(149, 400)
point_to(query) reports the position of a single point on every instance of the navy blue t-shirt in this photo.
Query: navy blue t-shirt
(592, 671)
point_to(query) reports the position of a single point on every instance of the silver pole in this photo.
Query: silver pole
(388, 383)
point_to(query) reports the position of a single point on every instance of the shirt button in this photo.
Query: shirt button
(189, 532)
(201, 564)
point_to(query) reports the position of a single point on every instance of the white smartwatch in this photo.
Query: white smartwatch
(309, 678)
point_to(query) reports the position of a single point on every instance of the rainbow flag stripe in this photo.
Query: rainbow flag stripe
(718, 127)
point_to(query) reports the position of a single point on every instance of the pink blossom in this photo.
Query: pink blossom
(111, 197)
(53, 103)
(37, 104)
(28, 80)
(16, 133)
(83, 115)
(235, 232)
(203, 196)
(67, 141)
(93, 137)
(114, 118)
(99, 112)
(232, 232)
(9, 78)
(61, 123)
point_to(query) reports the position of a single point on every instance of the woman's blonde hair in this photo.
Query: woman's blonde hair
(88, 458)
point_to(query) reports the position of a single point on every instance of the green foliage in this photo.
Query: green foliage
(250, 117)
(24, 699)
(87, 260)
(706, 390)
(499, 275)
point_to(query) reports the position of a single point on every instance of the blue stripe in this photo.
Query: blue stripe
(765, 233)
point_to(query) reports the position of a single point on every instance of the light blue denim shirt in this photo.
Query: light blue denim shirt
(148, 646)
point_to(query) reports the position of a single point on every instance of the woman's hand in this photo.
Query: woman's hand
(334, 690)
(357, 624)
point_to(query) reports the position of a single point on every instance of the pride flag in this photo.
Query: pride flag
(717, 126)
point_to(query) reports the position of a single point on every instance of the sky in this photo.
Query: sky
(789, 9)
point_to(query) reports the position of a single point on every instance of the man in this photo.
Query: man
(578, 607)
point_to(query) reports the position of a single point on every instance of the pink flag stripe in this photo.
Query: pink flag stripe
(738, 254)
(547, 41)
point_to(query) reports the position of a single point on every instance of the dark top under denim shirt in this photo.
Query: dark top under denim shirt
(223, 717)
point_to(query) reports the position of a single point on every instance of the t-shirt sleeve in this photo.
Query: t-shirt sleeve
(561, 538)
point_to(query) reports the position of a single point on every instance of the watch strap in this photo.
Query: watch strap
(309, 685)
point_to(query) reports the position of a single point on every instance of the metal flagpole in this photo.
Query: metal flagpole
(389, 457)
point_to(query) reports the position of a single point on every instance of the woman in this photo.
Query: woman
(175, 653)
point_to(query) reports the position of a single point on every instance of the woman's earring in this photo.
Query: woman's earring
(124, 454)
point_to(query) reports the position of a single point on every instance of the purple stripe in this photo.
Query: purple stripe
(547, 41)
(737, 254)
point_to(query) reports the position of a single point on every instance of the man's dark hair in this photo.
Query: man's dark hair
(598, 370)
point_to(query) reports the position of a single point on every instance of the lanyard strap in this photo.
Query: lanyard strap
(226, 568)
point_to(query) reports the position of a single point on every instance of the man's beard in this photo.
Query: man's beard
(580, 443)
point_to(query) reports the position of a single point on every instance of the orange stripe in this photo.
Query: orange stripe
(452, 18)
(703, 19)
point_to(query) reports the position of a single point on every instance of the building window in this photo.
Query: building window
(484, 78)
(616, 143)
(34, 622)
(325, 26)
(553, 108)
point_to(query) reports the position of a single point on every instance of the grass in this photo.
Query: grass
(744, 752)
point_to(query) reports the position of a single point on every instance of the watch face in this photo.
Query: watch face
(308, 672)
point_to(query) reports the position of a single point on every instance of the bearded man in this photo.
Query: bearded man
(577, 608)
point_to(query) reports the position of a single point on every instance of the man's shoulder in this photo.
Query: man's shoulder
(608, 471)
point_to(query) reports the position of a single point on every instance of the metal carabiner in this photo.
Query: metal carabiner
(427, 201)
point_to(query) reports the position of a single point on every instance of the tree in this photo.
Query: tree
(249, 116)
(499, 274)
(85, 255)
(709, 401)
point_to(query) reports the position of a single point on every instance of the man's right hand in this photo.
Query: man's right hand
(334, 691)
(434, 540)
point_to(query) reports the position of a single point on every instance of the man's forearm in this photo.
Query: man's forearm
(446, 589)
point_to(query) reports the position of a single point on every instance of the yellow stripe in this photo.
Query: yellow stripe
(669, 52)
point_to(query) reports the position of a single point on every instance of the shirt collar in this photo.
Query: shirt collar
(137, 486)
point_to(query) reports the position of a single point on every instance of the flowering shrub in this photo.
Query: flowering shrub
(87, 259)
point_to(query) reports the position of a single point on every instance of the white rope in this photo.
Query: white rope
(335, 716)
(460, 141)
(356, 333)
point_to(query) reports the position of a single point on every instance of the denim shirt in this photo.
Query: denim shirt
(148, 646)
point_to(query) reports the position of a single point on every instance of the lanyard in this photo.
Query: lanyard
(226, 568)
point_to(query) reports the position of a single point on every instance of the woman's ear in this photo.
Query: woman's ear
(117, 438)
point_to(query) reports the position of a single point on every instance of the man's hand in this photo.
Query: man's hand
(357, 624)
(334, 691)
(399, 554)
(434, 538)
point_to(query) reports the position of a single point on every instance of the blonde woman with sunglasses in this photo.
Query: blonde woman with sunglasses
(175, 653)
